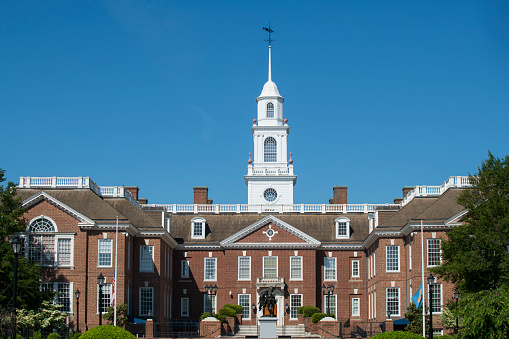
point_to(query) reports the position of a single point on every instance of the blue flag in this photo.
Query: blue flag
(417, 298)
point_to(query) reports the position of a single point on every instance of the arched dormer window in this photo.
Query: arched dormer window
(46, 246)
(270, 110)
(342, 228)
(269, 150)
(198, 228)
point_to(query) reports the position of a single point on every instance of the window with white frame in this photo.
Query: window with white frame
(210, 271)
(329, 264)
(62, 295)
(330, 302)
(356, 307)
(434, 252)
(106, 297)
(45, 246)
(270, 267)
(436, 292)
(244, 268)
(392, 258)
(184, 307)
(245, 302)
(295, 303)
(184, 269)
(198, 228)
(355, 268)
(296, 268)
(146, 301)
(269, 150)
(147, 258)
(392, 300)
(342, 228)
(209, 300)
(270, 110)
(105, 250)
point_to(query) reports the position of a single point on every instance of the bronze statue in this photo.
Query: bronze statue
(268, 298)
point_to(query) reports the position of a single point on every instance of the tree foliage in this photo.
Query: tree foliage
(107, 332)
(121, 315)
(414, 315)
(474, 255)
(398, 335)
(46, 316)
(11, 221)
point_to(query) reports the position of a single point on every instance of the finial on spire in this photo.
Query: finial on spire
(250, 161)
(269, 40)
(291, 160)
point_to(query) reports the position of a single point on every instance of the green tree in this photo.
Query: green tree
(414, 315)
(11, 221)
(474, 256)
(46, 316)
(121, 315)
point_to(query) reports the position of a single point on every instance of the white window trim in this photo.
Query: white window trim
(301, 268)
(139, 301)
(182, 308)
(441, 297)
(301, 304)
(238, 268)
(182, 271)
(387, 260)
(335, 270)
(193, 222)
(387, 301)
(248, 305)
(335, 298)
(427, 252)
(214, 306)
(141, 257)
(358, 269)
(358, 314)
(277, 264)
(336, 222)
(111, 251)
(97, 296)
(64, 236)
(205, 268)
(55, 289)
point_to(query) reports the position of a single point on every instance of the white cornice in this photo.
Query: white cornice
(455, 220)
(262, 222)
(270, 245)
(351, 247)
(161, 234)
(27, 203)
(214, 247)
(129, 228)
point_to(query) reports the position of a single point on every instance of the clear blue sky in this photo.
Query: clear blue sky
(161, 94)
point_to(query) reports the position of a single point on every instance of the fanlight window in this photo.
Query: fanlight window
(47, 247)
(270, 110)
(41, 225)
(270, 150)
(270, 195)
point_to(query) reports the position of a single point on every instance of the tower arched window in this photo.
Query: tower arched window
(46, 246)
(270, 150)
(270, 110)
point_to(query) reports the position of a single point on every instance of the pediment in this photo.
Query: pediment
(457, 219)
(270, 232)
(43, 196)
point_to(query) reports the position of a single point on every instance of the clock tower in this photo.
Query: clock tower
(270, 177)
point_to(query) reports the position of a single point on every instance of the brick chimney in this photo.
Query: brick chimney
(133, 190)
(339, 195)
(406, 190)
(398, 201)
(201, 195)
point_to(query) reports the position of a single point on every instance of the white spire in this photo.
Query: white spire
(270, 68)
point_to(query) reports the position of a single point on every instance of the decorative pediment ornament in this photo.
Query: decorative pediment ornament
(232, 241)
(27, 203)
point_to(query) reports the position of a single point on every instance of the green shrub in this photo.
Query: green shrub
(107, 332)
(445, 336)
(204, 315)
(317, 317)
(53, 336)
(37, 335)
(238, 309)
(227, 312)
(308, 311)
(220, 317)
(76, 335)
(398, 335)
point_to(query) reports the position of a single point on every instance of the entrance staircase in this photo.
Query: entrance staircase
(290, 331)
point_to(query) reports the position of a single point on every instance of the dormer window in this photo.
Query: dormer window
(342, 228)
(270, 110)
(198, 228)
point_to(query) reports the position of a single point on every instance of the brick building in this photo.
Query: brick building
(168, 254)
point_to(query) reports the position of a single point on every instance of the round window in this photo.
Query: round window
(270, 195)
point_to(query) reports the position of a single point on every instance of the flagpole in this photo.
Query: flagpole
(422, 284)
(115, 280)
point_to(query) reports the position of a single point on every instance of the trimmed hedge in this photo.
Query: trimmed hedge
(53, 336)
(227, 311)
(398, 335)
(319, 316)
(308, 311)
(107, 332)
(238, 309)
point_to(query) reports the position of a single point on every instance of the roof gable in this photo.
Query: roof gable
(270, 231)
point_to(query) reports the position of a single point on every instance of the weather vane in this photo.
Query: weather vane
(270, 31)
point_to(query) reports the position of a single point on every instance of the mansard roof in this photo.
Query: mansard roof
(222, 226)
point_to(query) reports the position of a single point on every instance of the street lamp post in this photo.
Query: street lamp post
(456, 297)
(17, 244)
(100, 282)
(327, 291)
(211, 290)
(431, 281)
(77, 294)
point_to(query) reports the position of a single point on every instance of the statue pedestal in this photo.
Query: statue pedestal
(267, 327)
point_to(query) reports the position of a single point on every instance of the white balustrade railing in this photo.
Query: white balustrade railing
(58, 182)
(270, 170)
(425, 191)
